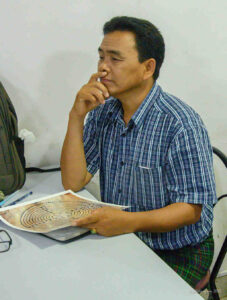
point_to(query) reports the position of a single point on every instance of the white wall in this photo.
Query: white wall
(48, 49)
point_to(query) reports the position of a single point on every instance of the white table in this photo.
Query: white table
(92, 267)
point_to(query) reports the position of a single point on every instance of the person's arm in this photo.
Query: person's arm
(73, 163)
(110, 221)
(168, 218)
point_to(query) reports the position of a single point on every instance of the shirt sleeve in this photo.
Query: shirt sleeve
(189, 169)
(91, 148)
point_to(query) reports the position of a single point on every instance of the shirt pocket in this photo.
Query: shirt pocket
(146, 184)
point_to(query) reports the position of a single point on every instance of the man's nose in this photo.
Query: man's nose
(103, 67)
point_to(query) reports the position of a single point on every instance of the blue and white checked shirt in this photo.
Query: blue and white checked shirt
(162, 157)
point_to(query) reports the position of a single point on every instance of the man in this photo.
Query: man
(152, 151)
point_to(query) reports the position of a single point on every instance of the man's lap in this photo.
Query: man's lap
(191, 262)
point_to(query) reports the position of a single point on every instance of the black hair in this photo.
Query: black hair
(149, 41)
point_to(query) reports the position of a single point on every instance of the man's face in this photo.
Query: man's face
(118, 56)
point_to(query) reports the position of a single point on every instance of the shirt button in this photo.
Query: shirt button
(119, 191)
(123, 134)
(122, 163)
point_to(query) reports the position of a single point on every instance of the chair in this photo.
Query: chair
(209, 279)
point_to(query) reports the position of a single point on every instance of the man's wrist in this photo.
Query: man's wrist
(76, 120)
(132, 222)
(73, 114)
(139, 220)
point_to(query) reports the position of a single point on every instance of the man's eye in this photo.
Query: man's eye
(115, 59)
(101, 57)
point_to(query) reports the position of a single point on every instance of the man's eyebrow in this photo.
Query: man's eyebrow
(118, 53)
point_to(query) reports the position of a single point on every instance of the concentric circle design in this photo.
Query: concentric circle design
(56, 213)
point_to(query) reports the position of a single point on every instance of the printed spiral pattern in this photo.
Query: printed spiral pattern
(55, 212)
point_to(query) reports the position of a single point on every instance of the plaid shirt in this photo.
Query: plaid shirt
(162, 157)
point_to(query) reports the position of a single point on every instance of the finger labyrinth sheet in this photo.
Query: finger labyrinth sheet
(50, 213)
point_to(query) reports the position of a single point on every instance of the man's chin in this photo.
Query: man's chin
(114, 94)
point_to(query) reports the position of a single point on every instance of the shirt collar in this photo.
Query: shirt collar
(144, 107)
(115, 112)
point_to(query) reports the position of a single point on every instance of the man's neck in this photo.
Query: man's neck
(131, 101)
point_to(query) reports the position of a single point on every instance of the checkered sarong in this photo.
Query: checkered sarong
(191, 262)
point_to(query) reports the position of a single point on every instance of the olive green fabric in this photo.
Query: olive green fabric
(12, 162)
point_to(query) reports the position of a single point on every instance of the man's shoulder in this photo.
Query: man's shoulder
(182, 113)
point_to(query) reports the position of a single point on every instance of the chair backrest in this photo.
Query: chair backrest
(220, 209)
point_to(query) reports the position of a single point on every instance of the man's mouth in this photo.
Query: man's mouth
(103, 80)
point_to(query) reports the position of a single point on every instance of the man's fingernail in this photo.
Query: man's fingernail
(107, 95)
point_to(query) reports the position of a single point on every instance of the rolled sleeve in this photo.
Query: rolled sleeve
(91, 148)
(189, 173)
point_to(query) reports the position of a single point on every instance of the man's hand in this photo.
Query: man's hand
(90, 95)
(107, 221)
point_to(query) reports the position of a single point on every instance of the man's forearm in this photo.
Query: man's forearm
(73, 162)
(166, 219)
(109, 221)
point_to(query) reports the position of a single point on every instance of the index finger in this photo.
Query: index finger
(95, 76)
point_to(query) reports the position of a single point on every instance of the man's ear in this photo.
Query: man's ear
(150, 65)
